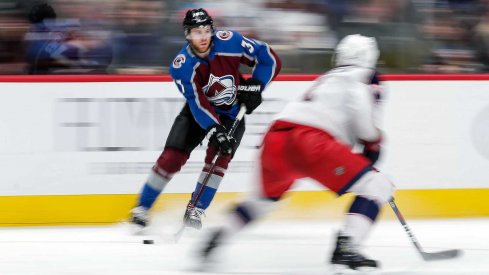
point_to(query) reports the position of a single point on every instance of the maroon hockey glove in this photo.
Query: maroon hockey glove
(371, 150)
(249, 94)
(219, 138)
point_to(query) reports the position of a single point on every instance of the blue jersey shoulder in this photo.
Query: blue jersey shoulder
(182, 67)
(228, 42)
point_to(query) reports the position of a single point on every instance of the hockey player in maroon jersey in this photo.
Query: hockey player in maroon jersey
(206, 72)
(314, 137)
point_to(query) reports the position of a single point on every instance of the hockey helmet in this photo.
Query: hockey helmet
(357, 50)
(196, 18)
(41, 11)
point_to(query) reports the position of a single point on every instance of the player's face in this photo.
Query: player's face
(200, 38)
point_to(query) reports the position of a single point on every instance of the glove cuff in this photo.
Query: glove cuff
(213, 129)
(250, 85)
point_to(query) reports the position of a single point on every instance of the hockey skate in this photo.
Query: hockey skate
(192, 217)
(208, 260)
(346, 255)
(139, 218)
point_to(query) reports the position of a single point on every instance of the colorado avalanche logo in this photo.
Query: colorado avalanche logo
(179, 60)
(224, 35)
(220, 90)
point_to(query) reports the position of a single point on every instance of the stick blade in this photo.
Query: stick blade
(441, 255)
(178, 235)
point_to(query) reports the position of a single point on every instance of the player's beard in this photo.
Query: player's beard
(202, 50)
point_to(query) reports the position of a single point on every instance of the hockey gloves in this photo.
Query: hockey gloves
(371, 150)
(220, 140)
(249, 94)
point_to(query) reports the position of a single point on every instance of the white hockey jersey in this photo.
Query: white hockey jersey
(341, 103)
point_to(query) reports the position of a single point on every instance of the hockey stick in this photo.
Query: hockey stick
(236, 122)
(427, 256)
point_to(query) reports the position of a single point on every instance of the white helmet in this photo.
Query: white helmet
(357, 50)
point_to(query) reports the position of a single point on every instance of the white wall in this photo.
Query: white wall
(438, 134)
(102, 138)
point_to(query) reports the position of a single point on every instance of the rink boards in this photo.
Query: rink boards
(76, 150)
(310, 205)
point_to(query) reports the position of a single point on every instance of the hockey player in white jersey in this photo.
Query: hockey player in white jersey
(313, 137)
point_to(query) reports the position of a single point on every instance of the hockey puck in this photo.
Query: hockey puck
(148, 242)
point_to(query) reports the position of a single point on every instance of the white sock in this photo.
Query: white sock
(357, 227)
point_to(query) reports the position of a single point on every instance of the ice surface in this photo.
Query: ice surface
(269, 247)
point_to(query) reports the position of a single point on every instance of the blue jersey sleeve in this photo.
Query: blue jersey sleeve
(183, 75)
(266, 63)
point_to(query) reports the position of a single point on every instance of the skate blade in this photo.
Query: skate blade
(136, 229)
(339, 269)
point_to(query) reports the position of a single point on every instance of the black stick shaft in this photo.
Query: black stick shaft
(401, 219)
(193, 203)
(236, 122)
(427, 256)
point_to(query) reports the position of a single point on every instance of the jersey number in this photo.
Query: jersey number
(248, 46)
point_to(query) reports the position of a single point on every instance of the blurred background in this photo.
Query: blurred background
(143, 36)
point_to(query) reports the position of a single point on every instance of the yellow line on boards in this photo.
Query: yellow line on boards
(108, 209)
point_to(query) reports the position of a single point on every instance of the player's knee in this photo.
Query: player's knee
(223, 161)
(211, 152)
(375, 186)
(385, 188)
(170, 162)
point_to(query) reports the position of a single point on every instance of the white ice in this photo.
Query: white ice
(269, 247)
